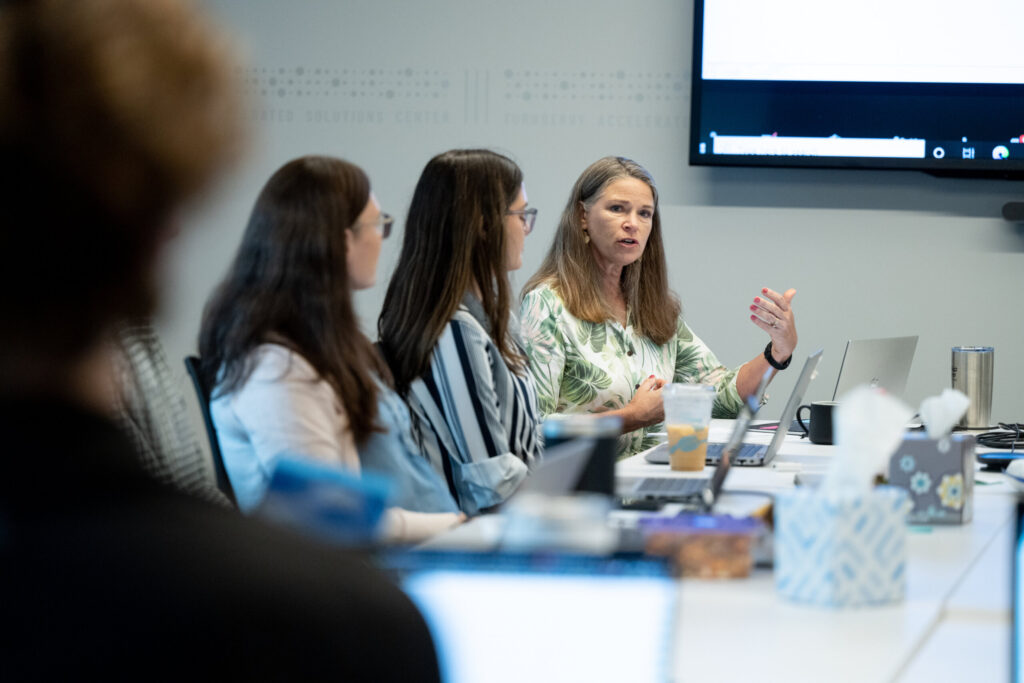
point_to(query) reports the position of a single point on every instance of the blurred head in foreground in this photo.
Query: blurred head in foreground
(113, 114)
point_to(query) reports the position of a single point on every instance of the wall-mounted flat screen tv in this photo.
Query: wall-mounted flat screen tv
(930, 85)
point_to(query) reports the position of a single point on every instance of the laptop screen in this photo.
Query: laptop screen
(557, 473)
(876, 362)
(517, 617)
(808, 373)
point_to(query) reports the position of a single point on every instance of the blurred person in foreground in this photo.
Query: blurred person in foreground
(114, 113)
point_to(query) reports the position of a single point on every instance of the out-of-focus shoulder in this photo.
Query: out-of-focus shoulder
(274, 361)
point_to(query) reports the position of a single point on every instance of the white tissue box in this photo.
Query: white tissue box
(938, 475)
(841, 550)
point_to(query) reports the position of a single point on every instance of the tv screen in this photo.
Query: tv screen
(936, 86)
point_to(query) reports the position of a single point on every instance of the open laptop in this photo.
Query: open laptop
(877, 362)
(599, 474)
(558, 472)
(700, 492)
(751, 454)
(697, 492)
(881, 362)
(565, 614)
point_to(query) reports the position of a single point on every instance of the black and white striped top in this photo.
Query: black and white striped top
(476, 419)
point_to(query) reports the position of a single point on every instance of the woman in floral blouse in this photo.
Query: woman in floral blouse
(602, 331)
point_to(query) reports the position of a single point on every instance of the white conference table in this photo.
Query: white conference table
(954, 623)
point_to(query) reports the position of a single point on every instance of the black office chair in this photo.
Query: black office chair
(223, 483)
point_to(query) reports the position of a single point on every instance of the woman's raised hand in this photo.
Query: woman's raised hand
(773, 313)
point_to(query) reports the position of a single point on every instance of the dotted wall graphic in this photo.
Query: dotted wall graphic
(596, 98)
(371, 96)
(409, 96)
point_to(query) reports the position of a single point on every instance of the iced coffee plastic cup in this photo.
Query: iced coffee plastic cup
(687, 418)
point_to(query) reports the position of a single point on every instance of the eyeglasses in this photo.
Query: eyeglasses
(383, 224)
(528, 216)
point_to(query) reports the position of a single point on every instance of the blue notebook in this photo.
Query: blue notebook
(325, 501)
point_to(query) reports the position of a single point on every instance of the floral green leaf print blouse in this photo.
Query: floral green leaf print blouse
(584, 367)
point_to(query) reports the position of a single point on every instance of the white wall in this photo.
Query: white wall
(387, 84)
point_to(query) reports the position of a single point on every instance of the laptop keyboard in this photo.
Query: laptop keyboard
(676, 486)
(747, 451)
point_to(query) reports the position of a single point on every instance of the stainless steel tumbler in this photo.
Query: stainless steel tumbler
(972, 374)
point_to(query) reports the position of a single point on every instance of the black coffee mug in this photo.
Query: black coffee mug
(820, 429)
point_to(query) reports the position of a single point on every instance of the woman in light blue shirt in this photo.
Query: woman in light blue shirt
(293, 374)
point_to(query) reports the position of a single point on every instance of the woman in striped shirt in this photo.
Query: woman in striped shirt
(447, 331)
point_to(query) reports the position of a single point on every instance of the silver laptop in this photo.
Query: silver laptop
(558, 472)
(752, 454)
(878, 362)
(700, 492)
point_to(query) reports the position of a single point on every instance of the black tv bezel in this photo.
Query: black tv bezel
(984, 169)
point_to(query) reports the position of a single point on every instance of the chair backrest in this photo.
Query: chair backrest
(203, 394)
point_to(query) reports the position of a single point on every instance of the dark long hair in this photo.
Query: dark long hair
(454, 236)
(289, 284)
(571, 269)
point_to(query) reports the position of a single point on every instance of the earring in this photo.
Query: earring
(586, 237)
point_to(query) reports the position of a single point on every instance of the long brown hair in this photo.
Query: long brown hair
(454, 237)
(571, 269)
(289, 284)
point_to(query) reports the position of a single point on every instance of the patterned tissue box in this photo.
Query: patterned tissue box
(938, 475)
(839, 549)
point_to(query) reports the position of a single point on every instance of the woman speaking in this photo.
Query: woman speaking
(601, 329)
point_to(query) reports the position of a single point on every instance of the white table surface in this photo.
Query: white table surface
(954, 623)
(958, 593)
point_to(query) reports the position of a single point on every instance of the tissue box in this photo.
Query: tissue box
(841, 550)
(938, 475)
